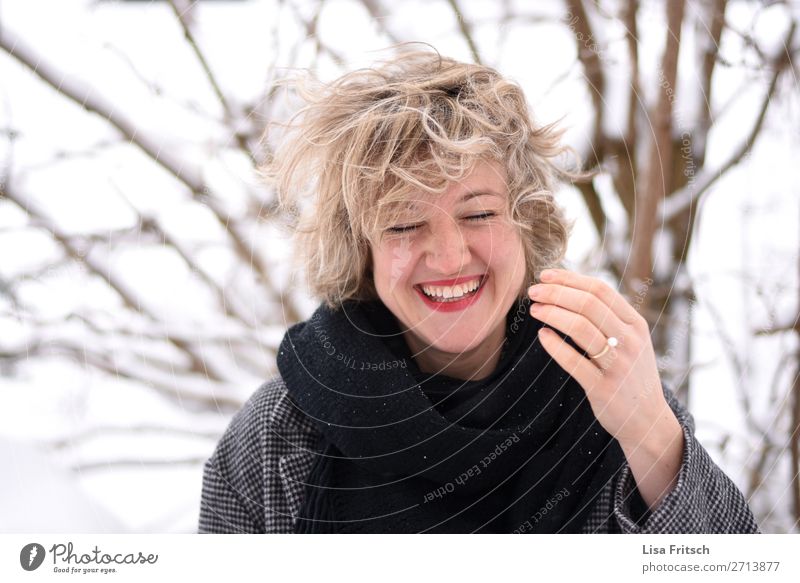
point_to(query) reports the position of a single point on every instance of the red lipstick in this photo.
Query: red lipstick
(455, 281)
(453, 306)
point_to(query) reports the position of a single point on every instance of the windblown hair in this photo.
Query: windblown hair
(365, 144)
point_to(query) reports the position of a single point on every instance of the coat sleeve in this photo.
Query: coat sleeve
(704, 499)
(232, 495)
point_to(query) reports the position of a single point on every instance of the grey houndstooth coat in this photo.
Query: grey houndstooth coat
(254, 481)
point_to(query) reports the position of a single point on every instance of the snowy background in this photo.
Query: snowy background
(144, 281)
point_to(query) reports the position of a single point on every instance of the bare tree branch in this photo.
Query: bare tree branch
(379, 15)
(103, 431)
(311, 33)
(150, 224)
(741, 369)
(91, 102)
(137, 463)
(592, 201)
(794, 429)
(780, 405)
(167, 385)
(625, 153)
(716, 12)
(104, 272)
(593, 71)
(466, 31)
(230, 115)
(692, 192)
(659, 162)
(777, 329)
(595, 79)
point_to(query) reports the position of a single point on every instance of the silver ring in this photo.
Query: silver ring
(611, 342)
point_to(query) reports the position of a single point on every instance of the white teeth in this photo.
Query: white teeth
(449, 292)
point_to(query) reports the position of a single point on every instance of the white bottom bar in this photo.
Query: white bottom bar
(396, 558)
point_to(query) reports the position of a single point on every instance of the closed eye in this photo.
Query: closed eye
(480, 217)
(402, 229)
(407, 228)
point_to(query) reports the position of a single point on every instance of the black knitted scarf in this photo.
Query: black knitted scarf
(404, 451)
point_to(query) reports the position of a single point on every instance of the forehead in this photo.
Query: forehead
(485, 180)
(420, 203)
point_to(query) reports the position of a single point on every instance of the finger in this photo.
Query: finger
(568, 358)
(580, 302)
(596, 287)
(582, 331)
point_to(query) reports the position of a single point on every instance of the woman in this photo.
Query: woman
(435, 389)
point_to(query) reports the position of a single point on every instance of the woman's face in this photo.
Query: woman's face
(464, 238)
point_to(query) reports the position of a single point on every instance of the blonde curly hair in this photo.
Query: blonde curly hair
(363, 145)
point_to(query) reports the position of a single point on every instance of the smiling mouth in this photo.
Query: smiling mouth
(443, 300)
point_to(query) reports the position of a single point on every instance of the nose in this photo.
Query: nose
(448, 249)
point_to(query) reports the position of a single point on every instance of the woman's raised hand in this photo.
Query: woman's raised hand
(623, 385)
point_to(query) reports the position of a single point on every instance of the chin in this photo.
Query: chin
(453, 339)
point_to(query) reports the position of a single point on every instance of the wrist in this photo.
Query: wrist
(655, 459)
(663, 435)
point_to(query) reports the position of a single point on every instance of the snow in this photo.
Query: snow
(38, 496)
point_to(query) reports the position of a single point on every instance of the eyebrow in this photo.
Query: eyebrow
(476, 193)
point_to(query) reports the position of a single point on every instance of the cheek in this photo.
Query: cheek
(505, 255)
(501, 247)
(393, 263)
